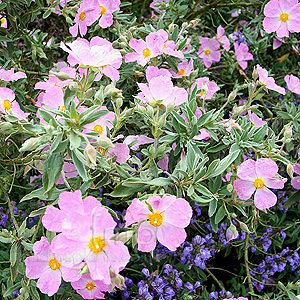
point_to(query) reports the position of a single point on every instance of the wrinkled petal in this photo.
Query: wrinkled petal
(136, 212)
(244, 188)
(266, 168)
(264, 198)
(246, 170)
(147, 237)
(49, 282)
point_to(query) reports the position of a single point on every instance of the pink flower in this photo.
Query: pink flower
(8, 105)
(258, 176)
(107, 7)
(231, 233)
(87, 231)
(242, 54)
(164, 163)
(255, 120)
(164, 219)
(293, 83)
(144, 50)
(295, 183)
(269, 82)
(87, 14)
(161, 91)
(89, 288)
(10, 75)
(46, 266)
(207, 87)
(223, 39)
(277, 42)
(120, 150)
(97, 53)
(3, 22)
(100, 126)
(140, 140)
(185, 68)
(208, 51)
(282, 16)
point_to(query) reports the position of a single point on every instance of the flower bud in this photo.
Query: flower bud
(29, 145)
(170, 106)
(90, 93)
(229, 187)
(73, 86)
(61, 75)
(69, 20)
(116, 280)
(232, 95)
(255, 74)
(105, 142)
(119, 102)
(123, 45)
(231, 233)
(90, 156)
(123, 236)
(162, 120)
(290, 170)
(171, 27)
(141, 109)
(138, 74)
(6, 128)
(288, 131)
(122, 38)
(236, 126)
(244, 227)
(238, 110)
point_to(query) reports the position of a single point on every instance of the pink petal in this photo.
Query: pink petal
(36, 266)
(69, 274)
(171, 236)
(117, 254)
(264, 198)
(271, 24)
(136, 212)
(274, 183)
(247, 170)
(272, 9)
(49, 282)
(147, 237)
(161, 87)
(266, 168)
(99, 266)
(295, 183)
(53, 219)
(244, 188)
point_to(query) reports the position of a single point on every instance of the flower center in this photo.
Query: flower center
(103, 10)
(82, 16)
(62, 108)
(181, 72)
(156, 219)
(207, 52)
(99, 129)
(146, 53)
(102, 151)
(220, 36)
(90, 285)
(284, 17)
(7, 105)
(201, 94)
(54, 264)
(2, 21)
(258, 183)
(96, 244)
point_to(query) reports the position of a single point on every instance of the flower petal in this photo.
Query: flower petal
(244, 188)
(266, 168)
(147, 237)
(264, 198)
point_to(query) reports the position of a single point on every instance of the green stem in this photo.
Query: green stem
(215, 279)
(36, 230)
(247, 264)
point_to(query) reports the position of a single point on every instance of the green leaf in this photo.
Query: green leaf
(220, 214)
(212, 208)
(34, 293)
(225, 163)
(56, 142)
(75, 140)
(204, 190)
(40, 194)
(9, 291)
(13, 253)
(47, 13)
(126, 191)
(51, 171)
(292, 200)
(80, 166)
(204, 118)
(38, 212)
(92, 117)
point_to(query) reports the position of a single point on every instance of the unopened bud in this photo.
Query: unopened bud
(162, 120)
(29, 145)
(290, 170)
(123, 51)
(119, 102)
(61, 75)
(141, 109)
(232, 95)
(171, 27)
(123, 45)
(238, 110)
(150, 111)
(90, 156)
(288, 131)
(122, 38)
(170, 106)
(231, 233)
(255, 74)
(236, 126)
(123, 236)
(138, 74)
(69, 20)
(105, 142)
(229, 187)
(90, 93)
(73, 86)
(244, 227)
(116, 280)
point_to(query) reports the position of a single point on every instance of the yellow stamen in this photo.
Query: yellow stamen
(220, 36)
(201, 94)
(233, 167)
(258, 183)
(90, 285)
(102, 151)
(105, 66)
(99, 129)
(181, 72)
(96, 244)
(207, 52)
(82, 16)
(103, 10)
(54, 264)
(62, 108)
(284, 17)
(156, 219)
(7, 105)
(146, 53)
(2, 21)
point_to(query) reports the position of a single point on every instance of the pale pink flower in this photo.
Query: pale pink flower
(140, 140)
(295, 183)
(46, 266)
(163, 219)
(120, 150)
(222, 38)
(155, 72)
(145, 50)
(97, 53)
(258, 176)
(293, 83)
(231, 233)
(242, 54)
(3, 22)
(87, 14)
(208, 88)
(161, 91)
(100, 126)
(8, 105)
(255, 120)
(208, 51)
(185, 68)
(164, 163)
(87, 231)
(282, 16)
(88, 288)
(277, 42)
(269, 82)
(107, 7)
(10, 75)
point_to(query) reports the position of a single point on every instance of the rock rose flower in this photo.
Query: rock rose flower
(164, 219)
(258, 176)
